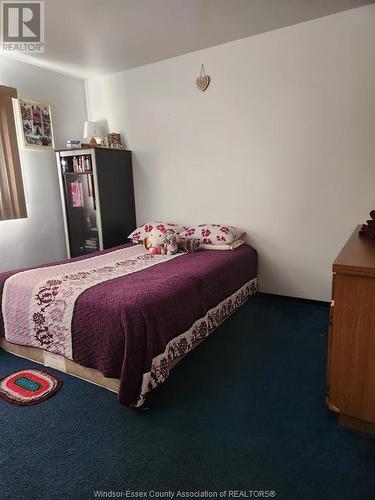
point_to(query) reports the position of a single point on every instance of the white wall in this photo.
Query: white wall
(40, 237)
(282, 143)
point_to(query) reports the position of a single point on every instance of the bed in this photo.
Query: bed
(121, 318)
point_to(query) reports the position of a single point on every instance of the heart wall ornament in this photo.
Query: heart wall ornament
(203, 81)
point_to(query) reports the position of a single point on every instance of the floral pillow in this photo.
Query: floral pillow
(139, 234)
(213, 234)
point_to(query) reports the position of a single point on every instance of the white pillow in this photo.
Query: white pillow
(230, 246)
(139, 234)
(213, 234)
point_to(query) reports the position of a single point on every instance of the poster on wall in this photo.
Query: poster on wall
(34, 124)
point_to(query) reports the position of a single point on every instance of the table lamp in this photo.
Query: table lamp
(92, 130)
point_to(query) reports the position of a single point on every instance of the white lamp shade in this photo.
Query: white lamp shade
(92, 129)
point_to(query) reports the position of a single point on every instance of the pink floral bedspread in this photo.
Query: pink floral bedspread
(38, 304)
(125, 312)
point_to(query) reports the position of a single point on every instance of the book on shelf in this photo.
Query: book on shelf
(82, 164)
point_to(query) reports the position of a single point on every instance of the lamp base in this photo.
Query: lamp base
(93, 141)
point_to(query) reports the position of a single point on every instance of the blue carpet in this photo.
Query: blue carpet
(245, 411)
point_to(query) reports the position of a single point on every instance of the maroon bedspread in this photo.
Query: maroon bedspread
(121, 325)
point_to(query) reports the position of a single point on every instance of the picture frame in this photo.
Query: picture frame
(114, 141)
(34, 124)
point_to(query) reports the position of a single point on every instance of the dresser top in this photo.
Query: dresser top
(357, 256)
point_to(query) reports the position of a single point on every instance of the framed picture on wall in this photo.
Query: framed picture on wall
(34, 124)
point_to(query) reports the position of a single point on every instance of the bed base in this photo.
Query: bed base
(62, 364)
(65, 365)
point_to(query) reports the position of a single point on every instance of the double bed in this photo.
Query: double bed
(121, 318)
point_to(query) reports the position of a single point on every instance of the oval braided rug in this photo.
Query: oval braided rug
(28, 387)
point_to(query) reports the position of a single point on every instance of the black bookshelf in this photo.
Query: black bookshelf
(97, 196)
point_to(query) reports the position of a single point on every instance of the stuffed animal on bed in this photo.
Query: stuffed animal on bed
(156, 242)
(161, 243)
(189, 245)
(171, 245)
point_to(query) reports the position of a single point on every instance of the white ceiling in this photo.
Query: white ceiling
(92, 37)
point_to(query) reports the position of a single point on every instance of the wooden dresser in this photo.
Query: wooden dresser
(351, 344)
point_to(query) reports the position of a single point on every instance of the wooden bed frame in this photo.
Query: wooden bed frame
(68, 366)
(60, 363)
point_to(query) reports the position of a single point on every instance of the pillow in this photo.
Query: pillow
(139, 234)
(213, 234)
(230, 246)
